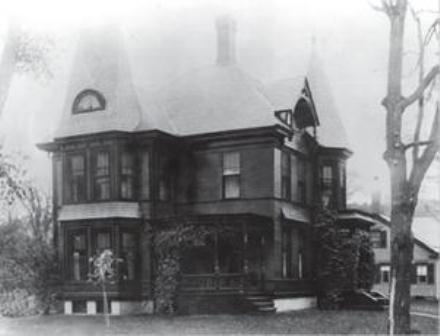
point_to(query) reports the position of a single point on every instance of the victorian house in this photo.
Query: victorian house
(214, 146)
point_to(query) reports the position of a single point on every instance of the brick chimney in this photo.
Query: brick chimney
(226, 29)
(376, 206)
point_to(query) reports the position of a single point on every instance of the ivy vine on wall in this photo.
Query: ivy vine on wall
(170, 243)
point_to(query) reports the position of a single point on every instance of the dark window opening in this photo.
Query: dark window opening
(285, 176)
(128, 255)
(301, 181)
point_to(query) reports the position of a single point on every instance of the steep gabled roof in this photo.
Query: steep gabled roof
(285, 93)
(101, 64)
(331, 133)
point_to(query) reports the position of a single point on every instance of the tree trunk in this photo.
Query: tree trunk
(401, 261)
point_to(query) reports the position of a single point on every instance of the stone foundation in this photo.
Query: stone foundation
(298, 303)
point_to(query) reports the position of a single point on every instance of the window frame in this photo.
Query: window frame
(231, 175)
(82, 95)
(69, 273)
(131, 177)
(382, 241)
(69, 181)
(301, 180)
(384, 269)
(93, 177)
(286, 176)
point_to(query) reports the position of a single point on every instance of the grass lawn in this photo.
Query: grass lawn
(301, 322)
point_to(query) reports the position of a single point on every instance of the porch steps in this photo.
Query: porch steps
(261, 303)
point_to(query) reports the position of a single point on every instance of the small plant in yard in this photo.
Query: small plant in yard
(103, 273)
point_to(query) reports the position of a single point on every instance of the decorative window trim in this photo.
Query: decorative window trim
(76, 109)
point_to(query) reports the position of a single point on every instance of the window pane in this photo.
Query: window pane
(77, 178)
(78, 256)
(128, 255)
(422, 270)
(58, 181)
(231, 163)
(145, 190)
(103, 241)
(102, 176)
(127, 176)
(232, 186)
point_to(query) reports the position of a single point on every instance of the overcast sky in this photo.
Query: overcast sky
(165, 38)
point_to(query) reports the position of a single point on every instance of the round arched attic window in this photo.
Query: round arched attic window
(88, 101)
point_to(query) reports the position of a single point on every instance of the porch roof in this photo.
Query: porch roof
(352, 217)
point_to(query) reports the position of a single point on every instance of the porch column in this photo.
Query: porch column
(262, 262)
(216, 262)
(245, 248)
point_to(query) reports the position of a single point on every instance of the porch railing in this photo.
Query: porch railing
(213, 281)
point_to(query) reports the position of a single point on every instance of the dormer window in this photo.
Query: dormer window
(88, 101)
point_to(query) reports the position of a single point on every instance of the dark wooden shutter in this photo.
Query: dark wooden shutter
(413, 274)
(430, 273)
(383, 239)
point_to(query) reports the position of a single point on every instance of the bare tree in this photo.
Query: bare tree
(23, 51)
(406, 180)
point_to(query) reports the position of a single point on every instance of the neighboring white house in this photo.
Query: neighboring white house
(425, 277)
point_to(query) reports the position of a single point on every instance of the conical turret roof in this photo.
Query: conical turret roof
(101, 65)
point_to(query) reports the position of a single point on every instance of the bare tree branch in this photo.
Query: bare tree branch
(421, 101)
(417, 144)
(418, 93)
(422, 164)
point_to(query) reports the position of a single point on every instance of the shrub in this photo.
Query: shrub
(344, 260)
(28, 273)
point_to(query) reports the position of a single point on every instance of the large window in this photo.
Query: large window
(327, 183)
(102, 241)
(301, 181)
(231, 175)
(127, 176)
(128, 255)
(378, 238)
(101, 176)
(76, 178)
(77, 255)
(285, 176)
(145, 184)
